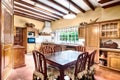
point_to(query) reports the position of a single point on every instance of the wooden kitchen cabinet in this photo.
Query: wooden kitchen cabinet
(114, 60)
(110, 29)
(109, 58)
(20, 37)
(103, 58)
(81, 31)
(19, 56)
(92, 35)
(92, 39)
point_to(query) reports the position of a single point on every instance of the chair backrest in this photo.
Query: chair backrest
(81, 63)
(81, 48)
(91, 58)
(41, 49)
(46, 50)
(57, 48)
(40, 63)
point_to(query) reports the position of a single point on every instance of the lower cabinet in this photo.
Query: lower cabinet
(110, 59)
(114, 60)
(19, 56)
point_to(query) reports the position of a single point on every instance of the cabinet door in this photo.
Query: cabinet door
(92, 35)
(92, 39)
(18, 38)
(19, 57)
(6, 36)
(110, 29)
(81, 32)
(114, 60)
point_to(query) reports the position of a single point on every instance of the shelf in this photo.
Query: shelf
(102, 58)
(109, 37)
(109, 49)
(110, 30)
(103, 66)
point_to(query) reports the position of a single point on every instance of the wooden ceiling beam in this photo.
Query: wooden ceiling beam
(23, 11)
(28, 16)
(55, 2)
(35, 7)
(30, 9)
(79, 8)
(89, 4)
(49, 7)
(112, 4)
(104, 1)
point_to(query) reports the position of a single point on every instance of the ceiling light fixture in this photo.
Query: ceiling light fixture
(69, 15)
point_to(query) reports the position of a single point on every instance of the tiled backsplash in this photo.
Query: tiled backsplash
(114, 40)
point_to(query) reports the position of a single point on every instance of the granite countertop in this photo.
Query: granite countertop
(110, 49)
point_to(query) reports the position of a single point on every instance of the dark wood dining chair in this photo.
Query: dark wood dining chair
(91, 63)
(46, 50)
(81, 48)
(57, 48)
(80, 67)
(40, 72)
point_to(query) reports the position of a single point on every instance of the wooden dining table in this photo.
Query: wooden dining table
(63, 60)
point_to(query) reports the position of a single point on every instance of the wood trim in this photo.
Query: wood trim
(28, 16)
(107, 21)
(89, 4)
(35, 11)
(104, 1)
(0, 41)
(39, 16)
(112, 4)
(104, 21)
(79, 8)
(49, 7)
(30, 5)
(53, 1)
(8, 6)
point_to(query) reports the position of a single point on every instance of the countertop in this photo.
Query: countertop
(67, 44)
(110, 49)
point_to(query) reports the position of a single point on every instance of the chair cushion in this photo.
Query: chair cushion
(80, 74)
(92, 67)
(38, 74)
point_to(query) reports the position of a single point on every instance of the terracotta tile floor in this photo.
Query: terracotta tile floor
(25, 73)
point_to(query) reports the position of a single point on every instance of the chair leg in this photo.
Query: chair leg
(90, 75)
(93, 78)
(34, 77)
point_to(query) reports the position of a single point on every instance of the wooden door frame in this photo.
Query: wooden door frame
(0, 40)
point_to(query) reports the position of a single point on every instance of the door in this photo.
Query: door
(6, 42)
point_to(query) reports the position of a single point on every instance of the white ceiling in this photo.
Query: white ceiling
(49, 10)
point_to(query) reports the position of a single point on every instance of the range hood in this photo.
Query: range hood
(47, 27)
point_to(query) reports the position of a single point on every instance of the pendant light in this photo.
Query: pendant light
(69, 15)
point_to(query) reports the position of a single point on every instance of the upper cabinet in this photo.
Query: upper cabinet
(110, 30)
(92, 35)
(81, 31)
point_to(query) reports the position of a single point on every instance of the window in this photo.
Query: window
(67, 35)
